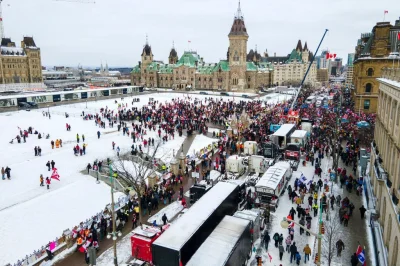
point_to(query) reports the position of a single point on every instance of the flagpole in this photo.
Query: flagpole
(384, 15)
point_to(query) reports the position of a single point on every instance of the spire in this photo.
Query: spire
(173, 44)
(256, 48)
(305, 47)
(147, 39)
(299, 46)
(239, 14)
(106, 67)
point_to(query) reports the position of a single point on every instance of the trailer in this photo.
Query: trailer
(250, 147)
(177, 245)
(282, 135)
(254, 216)
(229, 244)
(235, 164)
(299, 136)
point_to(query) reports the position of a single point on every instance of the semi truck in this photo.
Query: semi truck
(229, 244)
(177, 245)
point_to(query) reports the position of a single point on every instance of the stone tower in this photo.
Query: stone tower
(147, 56)
(173, 56)
(237, 52)
(305, 53)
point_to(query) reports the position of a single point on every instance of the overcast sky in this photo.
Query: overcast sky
(114, 31)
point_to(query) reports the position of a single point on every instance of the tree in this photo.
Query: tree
(333, 231)
(135, 169)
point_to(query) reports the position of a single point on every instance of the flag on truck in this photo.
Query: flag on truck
(361, 255)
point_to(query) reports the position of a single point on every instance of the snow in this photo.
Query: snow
(170, 211)
(124, 252)
(299, 134)
(200, 142)
(283, 130)
(76, 197)
(214, 175)
(271, 178)
(181, 231)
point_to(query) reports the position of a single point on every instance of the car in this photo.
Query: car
(245, 96)
(32, 104)
(224, 93)
(24, 105)
(204, 93)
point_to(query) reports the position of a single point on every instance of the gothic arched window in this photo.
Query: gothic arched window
(236, 56)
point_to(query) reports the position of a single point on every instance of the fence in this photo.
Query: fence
(106, 179)
(22, 87)
(67, 239)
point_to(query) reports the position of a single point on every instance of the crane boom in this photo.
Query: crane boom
(308, 69)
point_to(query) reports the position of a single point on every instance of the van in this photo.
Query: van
(311, 100)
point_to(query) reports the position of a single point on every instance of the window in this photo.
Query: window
(366, 104)
(248, 79)
(145, 58)
(236, 56)
(370, 72)
(368, 88)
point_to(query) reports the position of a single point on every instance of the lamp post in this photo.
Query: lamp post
(285, 224)
(114, 234)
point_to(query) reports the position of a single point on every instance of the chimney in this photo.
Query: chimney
(274, 54)
(22, 44)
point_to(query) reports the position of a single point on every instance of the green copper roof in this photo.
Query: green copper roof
(166, 69)
(223, 65)
(206, 69)
(295, 56)
(367, 47)
(265, 66)
(251, 66)
(153, 66)
(188, 59)
(136, 69)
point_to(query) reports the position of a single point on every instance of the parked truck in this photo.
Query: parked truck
(177, 245)
(228, 245)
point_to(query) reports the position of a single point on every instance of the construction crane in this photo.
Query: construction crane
(77, 1)
(308, 69)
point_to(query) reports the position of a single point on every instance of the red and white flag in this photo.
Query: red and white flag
(270, 257)
(55, 174)
(189, 41)
(398, 36)
(385, 12)
(330, 56)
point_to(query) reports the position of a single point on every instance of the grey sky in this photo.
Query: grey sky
(115, 30)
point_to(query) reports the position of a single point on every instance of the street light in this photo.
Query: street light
(285, 224)
(114, 234)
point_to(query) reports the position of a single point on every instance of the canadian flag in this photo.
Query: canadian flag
(386, 12)
(55, 174)
(398, 36)
(330, 56)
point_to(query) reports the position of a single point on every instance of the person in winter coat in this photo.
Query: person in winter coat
(149, 207)
(303, 223)
(77, 138)
(83, 138)
(118, 150)
(288, 242)
(281, 250)
(307, 253)
(3, 172)
(298, 258)
(293, 251)
(88, 167)
(276, 239)
(354, 260)
(362, 211)
(52, 164)
(98, 134)
(339, 247)
(48, 165)
(8, 172)
(164, 219)
(266, 240)
(41, 179)
(280, 240)
(48, 182)
(292, 212)
(39, 151)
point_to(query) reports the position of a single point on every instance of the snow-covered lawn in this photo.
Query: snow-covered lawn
(200, 142)
(170, 211)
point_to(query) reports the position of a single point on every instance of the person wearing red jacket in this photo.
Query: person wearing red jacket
(48, 182)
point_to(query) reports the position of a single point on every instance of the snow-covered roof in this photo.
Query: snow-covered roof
(183, 229)
(272, 177)
(283, 130)
(216, 249)
(247, 214)
(14, 50)
(214, 175)
(299, 134)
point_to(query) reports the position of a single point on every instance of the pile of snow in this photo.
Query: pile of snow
(170, 211)
(199, 143)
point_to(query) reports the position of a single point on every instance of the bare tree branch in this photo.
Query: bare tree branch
(333, 230)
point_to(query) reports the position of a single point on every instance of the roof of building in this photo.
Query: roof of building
(173, 53)
(166, 69)
(147, 50)
(153, 66)
(238, 27)
(250, 66)
(367, 47)
(189, 59)
(250, 56)
(275, 59)
(28, 41)
(12, 51)
(305, 47)
(223, 65)
(299, 46)
(294, 57)
(5, 41)
(136, 69)
(206, 68)
(310, 56)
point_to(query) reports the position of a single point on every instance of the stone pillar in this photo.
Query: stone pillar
(152, 179)
(182, 158)
(175, 166)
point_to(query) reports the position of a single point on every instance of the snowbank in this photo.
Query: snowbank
(171, 211)
(199, 143)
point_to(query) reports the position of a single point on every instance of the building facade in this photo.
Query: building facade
(385, 161)
(290, 69)
(350, 69)
(20, 64)
(191, 72)
(374, 51)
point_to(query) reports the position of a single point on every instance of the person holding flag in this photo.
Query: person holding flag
(360, 256)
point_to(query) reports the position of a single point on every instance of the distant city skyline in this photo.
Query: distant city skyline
(115, 31)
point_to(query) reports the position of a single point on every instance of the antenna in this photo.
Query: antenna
(239, 14)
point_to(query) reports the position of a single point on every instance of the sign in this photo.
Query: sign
(195, 175)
